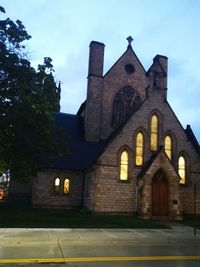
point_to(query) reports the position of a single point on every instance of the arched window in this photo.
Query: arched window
(154, 132)
(139, 149)
(57, 185)
(125, 102)
(124, 165)
(66, 186)
(182, 169)
(168, 146)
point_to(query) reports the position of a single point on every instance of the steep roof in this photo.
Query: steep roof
(148, 163)
(154, 156)
(80, 152)
(81, 108)
(192, 139)
(129, 48)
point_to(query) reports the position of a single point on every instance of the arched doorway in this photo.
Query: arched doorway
(160, 194)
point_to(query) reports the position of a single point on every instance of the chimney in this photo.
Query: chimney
(96, 59)
(163, 60)
(94, 92)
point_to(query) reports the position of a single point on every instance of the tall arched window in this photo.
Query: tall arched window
(66, 186)
(168, 146)
(57, 185)
(139, 149)
(124, 162)
(154, 132)
(126, 101)
(182, 169)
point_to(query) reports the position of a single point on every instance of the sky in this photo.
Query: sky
(63, 30)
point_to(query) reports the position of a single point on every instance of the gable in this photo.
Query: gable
(140, 120)
(127, 72)
(158, 160)
(128, 56)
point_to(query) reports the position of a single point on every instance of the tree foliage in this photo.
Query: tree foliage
(28, 100)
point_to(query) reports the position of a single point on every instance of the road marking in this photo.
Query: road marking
(100, 259)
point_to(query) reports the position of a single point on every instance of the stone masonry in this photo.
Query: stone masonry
(98, 187)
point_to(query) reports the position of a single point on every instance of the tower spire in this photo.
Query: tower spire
(58, 95)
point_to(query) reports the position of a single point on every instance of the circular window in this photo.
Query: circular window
(129, 68)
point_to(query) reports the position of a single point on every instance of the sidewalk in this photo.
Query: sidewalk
(177, 234)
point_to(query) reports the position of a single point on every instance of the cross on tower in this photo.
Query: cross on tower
(129, 39)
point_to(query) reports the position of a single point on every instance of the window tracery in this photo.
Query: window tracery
(125, 102)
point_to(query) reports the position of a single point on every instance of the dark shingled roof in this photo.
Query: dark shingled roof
(81, 154)
(193, 139)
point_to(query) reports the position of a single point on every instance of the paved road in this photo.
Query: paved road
(176, 247)
(98, 254)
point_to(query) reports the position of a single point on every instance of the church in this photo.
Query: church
(128, 152)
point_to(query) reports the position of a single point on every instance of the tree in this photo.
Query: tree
(28, 100)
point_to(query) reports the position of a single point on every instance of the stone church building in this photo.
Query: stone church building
(128, 152)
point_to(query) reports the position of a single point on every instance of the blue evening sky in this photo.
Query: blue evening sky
(63, 29)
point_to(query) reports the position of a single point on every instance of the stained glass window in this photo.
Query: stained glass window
(139, 149)
(125, 103)
(168, 146)
(66, 186)
(124, 165)
(154, 132)
(182, 169)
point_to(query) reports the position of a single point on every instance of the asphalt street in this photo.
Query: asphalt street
(100, 247)
(119, 254)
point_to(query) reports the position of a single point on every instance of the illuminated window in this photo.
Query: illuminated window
(66, 186)
(168, 146)
(57, 185)
(124, 165)
(181, 169)
(154, 132)
(139, 149)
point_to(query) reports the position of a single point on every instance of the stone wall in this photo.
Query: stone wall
(90, 180)
(116, 79)
(43, 193)
(189, 197)
(145, 188)
(113, 195)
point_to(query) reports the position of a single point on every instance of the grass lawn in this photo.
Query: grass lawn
(24, 216)
(192, 220)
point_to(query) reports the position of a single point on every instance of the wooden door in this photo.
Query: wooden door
(160, 194)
